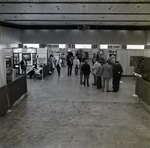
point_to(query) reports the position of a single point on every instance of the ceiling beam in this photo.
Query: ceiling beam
(92, 27)
(18, 13)
(77, 2)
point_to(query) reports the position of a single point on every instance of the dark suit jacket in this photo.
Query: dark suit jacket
(117, 71)
(23, 64)
(86, 69)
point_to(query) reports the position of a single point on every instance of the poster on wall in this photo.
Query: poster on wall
(26, 56)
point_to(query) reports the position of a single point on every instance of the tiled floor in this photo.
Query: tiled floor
(58, 112)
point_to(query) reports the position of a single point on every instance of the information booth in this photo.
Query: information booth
(30, 54)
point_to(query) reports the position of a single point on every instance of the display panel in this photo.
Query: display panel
(134, 60)
(146, 64)
(26, 56)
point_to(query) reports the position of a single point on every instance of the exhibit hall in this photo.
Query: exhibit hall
(74, 74)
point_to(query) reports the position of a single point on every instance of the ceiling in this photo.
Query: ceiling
(75, 13)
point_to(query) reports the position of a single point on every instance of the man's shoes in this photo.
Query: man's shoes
(88, 85)
(93, 84)
(108, 91)
(102, 90)
(114, 91)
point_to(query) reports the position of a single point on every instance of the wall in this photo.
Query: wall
(85, 36)
(148, 38)
(10, 36)
(2, 69)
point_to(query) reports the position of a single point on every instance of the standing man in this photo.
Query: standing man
(94, 70)
(76, 63)
(23, 64)
(69, 63)
(117, 72)
(98, 75)
(106, 74)
(81, 72)
(86, 72)
(58, 65)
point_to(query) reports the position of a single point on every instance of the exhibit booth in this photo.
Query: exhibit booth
(30, 55)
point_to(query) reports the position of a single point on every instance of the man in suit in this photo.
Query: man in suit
(23, 64)
(117, 72)
(70, 63)
(86, 72)
(106, 74)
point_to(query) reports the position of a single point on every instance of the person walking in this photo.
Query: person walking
(86, 72)
(69, 63)
(23, 64)
(58, 65)
(98, 76)
(106, 74)
(117, 72)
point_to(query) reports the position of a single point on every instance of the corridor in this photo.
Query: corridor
(58, 112)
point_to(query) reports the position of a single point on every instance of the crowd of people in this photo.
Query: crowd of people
(102, 71)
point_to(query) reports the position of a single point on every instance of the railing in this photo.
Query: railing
(142, 90)
(11, 92)
(46, 69)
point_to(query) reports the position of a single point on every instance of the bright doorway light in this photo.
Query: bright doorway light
(85, 46)
(135, 46)
(103, 46)
(62, 45)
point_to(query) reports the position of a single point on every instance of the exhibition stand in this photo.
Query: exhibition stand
(28, 53)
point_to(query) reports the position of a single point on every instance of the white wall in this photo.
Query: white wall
(2, 68)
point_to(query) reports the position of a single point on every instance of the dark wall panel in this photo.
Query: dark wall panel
(3, 101)
(85, 36)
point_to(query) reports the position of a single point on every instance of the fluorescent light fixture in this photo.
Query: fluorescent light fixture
(31, 45)
(62, 45)
(85, 46)
(135, 46)
(103, 46)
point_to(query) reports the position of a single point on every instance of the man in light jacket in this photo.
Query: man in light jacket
(98, 76)
(94, 69)
(106, 74)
